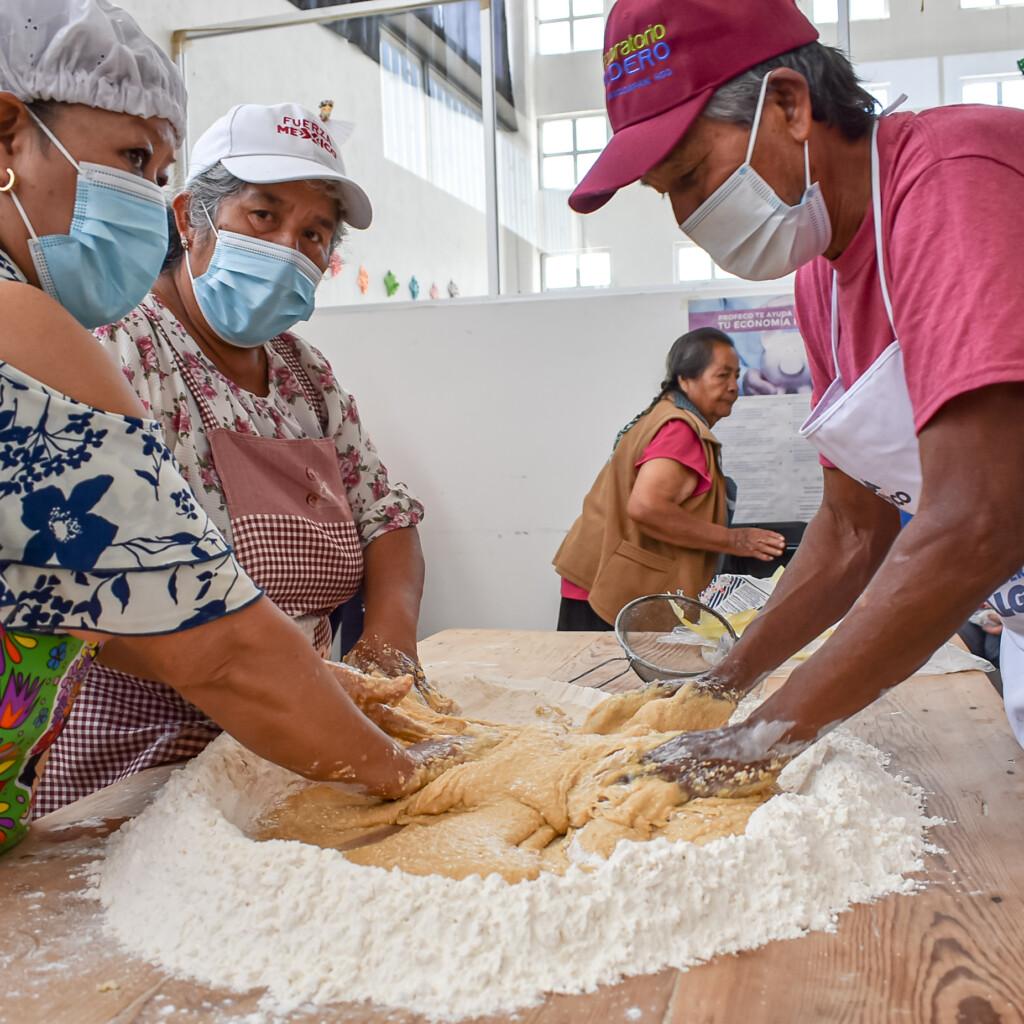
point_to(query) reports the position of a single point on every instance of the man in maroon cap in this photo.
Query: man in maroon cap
(905, 231)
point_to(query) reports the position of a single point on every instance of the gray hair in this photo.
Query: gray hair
(210, 188)
(837, 96)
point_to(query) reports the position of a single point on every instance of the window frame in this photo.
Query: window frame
(991, 5)
(996, 78)
(570, 19)
(429, 73)
(575, 153)
(853, 17)
(577, 253)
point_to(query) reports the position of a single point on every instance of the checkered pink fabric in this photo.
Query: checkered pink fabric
(303, 565)
(120, 725)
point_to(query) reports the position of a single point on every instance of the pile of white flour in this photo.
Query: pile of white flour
(185, 887)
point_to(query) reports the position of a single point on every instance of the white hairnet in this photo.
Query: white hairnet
(87, 51)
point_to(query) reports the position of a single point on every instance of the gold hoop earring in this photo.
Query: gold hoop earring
(10, 181)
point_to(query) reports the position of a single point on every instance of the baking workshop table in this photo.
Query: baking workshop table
(952, 953)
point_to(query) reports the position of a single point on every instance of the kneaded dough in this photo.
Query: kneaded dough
(539, 798)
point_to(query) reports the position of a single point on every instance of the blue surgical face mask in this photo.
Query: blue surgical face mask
(114, 249)
(254, 290)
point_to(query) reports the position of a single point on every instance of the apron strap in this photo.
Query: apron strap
(876, 203)
(835, 324)
(287, 352)
(876, 208)
(188, 375)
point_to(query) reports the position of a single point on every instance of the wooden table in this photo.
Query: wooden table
(952, 953)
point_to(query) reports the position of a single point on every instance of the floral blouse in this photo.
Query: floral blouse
(98, 529)
(139, 342)
(98, 532)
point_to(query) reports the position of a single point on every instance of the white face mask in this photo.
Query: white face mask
(749, 231)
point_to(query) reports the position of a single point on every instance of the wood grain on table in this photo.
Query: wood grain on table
(953, 952)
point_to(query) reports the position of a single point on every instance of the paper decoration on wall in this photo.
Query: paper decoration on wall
(326, 107)
(435, 292)
(453, 290)
(414, 288)
(363, 280)
(390, 283)
(335, 265)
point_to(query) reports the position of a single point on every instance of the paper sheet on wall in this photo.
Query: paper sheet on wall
(776, 471)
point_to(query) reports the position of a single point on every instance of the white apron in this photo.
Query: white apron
(867, 431)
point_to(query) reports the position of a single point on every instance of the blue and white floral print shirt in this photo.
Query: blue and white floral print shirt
(98, 530)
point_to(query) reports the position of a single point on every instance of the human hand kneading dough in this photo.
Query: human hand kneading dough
(734, 760)
(375, 697)
(375, 656)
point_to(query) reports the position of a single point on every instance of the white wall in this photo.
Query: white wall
(499, 416)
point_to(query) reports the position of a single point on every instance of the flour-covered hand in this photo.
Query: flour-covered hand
(369, 690)
(375, 655)
(736, 760)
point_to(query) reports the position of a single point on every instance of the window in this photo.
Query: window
(569, 146)
(694, 265)
(991, 3)
(403, 104)
(999, 90)
(456, 159)
(575, 270)
(565, 26)
(431, 128)
(826, 11)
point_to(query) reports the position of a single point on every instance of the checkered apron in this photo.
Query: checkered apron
(292, 530)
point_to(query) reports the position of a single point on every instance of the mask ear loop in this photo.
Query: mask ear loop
(53, 138)
(184, 246)
(21, 211)
(10, 186)
(757, 124)
(757, 115)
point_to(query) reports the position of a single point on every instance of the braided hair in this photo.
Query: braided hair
(689, 356)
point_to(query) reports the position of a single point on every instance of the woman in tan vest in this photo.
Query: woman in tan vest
(657, 516)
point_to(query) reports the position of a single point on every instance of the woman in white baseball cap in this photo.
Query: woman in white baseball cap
(100, 537)
(269, 441)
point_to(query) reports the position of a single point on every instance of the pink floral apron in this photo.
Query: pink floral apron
(294, 534)
(291, 524)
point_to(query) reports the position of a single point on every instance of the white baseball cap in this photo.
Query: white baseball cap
(265, 144)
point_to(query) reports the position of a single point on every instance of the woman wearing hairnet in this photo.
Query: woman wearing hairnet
(99, 534)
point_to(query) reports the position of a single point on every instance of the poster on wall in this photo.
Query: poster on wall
(777, 472)
(772, 357)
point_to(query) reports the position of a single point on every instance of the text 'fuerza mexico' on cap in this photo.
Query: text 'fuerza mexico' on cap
(283, 142)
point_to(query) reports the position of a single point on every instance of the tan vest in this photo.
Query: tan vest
(607, 554)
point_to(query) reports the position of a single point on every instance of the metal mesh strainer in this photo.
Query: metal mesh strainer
(670, 636)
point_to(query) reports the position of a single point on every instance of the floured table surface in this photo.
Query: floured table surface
(954, 952)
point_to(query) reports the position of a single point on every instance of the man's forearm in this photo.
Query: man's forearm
(964, 542)
(837, 557)
(937, 573)
(393, 588)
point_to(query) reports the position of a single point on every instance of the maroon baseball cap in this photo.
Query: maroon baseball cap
(663, 60)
